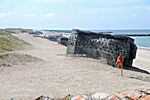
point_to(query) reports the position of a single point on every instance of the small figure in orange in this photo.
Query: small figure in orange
(120, 61)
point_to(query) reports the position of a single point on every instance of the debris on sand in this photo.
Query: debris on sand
(130, 95)
(44, 98)
(99, 96)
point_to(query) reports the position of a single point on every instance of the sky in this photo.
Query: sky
(69, 14)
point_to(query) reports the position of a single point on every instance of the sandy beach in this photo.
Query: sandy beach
(58, 75)
(142, 59)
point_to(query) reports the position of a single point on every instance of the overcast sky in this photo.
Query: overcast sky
(68, 14)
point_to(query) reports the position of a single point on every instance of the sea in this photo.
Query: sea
(140, 41)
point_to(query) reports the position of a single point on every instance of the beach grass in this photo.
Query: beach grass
(8, 42)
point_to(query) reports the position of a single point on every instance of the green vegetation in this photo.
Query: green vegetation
(8, 42)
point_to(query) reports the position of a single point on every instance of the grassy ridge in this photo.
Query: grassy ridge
(9, 42)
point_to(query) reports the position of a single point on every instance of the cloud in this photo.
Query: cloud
(30, 15)
(8, 14)
(49, 14)
(4, 14)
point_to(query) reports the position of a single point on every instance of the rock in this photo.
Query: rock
(44, 98)
(62, 40)
(68, 97)
(100, 96)
(83, 97)
(131, 95)
(145, 98)
(114, 97)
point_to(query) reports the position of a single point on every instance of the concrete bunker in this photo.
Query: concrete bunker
(102, 46)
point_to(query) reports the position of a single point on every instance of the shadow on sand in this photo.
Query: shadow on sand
(132, 68)
(138, 77)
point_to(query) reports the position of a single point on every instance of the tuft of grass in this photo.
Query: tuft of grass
(8, 42)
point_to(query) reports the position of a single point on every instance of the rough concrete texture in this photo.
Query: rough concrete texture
(102, 46)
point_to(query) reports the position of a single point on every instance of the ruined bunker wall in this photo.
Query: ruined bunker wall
(71, 48)
(102, 46)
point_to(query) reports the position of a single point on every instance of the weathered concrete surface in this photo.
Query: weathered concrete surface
(63, 41)
(63, 38)
(102, 46)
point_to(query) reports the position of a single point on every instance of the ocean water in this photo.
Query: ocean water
(142, 41)
(125, 31)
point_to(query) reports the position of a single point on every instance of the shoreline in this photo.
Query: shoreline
(136, 35)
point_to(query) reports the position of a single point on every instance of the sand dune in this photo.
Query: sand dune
(58, 76)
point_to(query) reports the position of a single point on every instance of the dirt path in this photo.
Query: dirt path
(58, 76)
